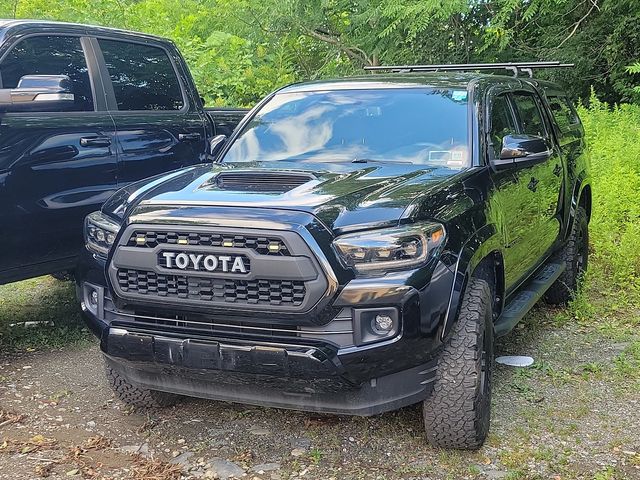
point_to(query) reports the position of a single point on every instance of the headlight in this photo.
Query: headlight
(401, 248)
(100, 232)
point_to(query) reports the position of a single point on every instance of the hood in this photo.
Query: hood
(343, 196)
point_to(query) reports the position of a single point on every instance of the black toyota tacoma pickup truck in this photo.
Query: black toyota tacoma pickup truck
(83, 112)
(356, 247)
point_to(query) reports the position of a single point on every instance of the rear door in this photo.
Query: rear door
(569, 131)
(159, 125)
(55, 166)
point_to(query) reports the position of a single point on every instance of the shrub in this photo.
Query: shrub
(613, 135)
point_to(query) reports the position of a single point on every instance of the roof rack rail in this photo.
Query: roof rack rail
(515, 67)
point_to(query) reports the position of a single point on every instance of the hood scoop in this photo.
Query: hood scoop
(261, 181)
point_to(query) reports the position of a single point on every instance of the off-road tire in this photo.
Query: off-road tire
(574, 255)
(457, 413)
(135, 395)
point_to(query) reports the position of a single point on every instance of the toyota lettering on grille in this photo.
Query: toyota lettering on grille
(200, 261)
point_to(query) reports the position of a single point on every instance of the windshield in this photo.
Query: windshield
(403, 125)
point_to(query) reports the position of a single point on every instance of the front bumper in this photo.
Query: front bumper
(299, 378)
(318, 362)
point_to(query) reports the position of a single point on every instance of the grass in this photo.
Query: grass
(46, 300)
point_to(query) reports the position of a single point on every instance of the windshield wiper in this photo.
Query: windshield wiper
(370, 160)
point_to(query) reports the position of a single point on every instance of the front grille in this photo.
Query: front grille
(209, 267)
(205, 326)
(217, 290)
(263, 245)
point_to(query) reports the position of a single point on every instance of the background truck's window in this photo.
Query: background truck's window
(531, 121)
(563, 113)
(50, 55)
(502, 123)
(143, 77)
(412, 125)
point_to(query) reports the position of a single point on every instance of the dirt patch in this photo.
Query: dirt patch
(568, 416)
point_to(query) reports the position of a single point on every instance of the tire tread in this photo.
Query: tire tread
(136, 396)
(455, 415)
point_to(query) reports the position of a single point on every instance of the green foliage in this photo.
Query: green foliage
(232, 70)
(240, 49)
(634, 70)
(609, 300)
(627, 364)
(613, 135)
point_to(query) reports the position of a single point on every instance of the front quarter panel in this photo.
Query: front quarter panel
(473, 230)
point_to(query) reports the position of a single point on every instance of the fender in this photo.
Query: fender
(582, 181)
(473, 251)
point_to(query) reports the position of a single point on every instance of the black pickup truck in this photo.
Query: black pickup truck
(355, 248)
(85, 111)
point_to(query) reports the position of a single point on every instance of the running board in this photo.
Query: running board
(527, 297)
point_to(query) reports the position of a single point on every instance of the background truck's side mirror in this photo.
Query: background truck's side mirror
(215, 145)
(39, 93)
(521, 150)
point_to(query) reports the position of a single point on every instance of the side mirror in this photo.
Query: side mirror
(521, 151)
(215, 145)
(38, 93)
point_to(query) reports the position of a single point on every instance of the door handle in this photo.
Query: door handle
(533, 184)
(189, 137)
(97, 141)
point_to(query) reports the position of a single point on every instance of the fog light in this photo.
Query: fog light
(375, 324)
(382, 324)
(93, 298)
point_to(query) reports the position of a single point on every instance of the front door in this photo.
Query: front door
(55, 166)
(158, 127)
(546, 177)
(514, 206)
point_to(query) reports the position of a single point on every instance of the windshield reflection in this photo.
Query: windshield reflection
(412, 125)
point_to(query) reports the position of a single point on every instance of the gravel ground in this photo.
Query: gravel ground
(566, 417)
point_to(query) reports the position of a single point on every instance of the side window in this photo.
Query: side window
(502, 123)
(50, 55)
(143, 76)
(563, 113)
(531, 122)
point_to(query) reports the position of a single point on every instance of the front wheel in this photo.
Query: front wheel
(457, 413)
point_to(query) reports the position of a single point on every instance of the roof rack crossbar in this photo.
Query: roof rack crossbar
(515, 67)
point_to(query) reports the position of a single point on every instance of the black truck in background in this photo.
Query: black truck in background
(85, 111)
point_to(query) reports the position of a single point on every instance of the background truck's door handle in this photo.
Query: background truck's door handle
(189, 137)
(97, 141)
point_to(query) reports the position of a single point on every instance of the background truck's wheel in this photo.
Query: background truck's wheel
(64, 276)
(137, 396)
(457, 413)
(575, 255)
